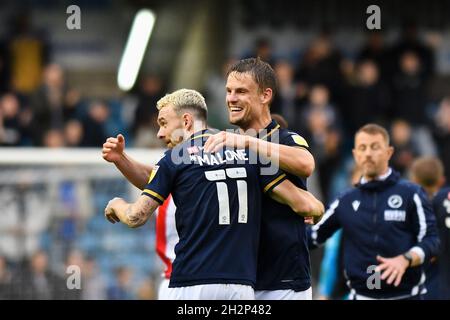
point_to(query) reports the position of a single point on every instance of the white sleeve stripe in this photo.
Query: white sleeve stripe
(326, 216)
(421, 215)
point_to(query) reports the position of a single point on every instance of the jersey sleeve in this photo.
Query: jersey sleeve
(270, 181)
(161, 180)
(292, 139)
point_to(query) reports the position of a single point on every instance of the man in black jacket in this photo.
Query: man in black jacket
(388, 224)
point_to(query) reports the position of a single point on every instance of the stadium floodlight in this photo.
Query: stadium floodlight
(133, 54)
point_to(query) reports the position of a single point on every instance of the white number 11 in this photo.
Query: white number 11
(222, 192)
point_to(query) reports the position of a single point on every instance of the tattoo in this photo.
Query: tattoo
(138, 213)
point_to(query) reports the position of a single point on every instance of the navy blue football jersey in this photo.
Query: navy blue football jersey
(283, 260)
(218, 198)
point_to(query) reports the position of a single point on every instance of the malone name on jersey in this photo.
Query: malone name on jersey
(216, 159)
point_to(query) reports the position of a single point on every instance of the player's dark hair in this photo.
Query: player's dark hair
(261, 71)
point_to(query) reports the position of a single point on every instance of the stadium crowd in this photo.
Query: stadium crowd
(323, 94)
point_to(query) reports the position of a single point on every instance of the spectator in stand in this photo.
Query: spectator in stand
(410, 42)
(409, 90)
(262, 49)
(284, 101)
(367, 98)
(94, 285)
(321, 63)
(144, 128)
(27, 52)
(10, 121)
(375, 50)
(410, 99)
(37, 282)
(94, 124)
(405, 148)
(121, 290)
(318, 103)
(73, 133)
(54, 138)
(322, 130)
(53, 104)
(441, 128)
(21, 225)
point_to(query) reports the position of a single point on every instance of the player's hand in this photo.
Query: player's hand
(225, 139)
(318, 213)
(110, 214)
(113, 148)
(393, 269)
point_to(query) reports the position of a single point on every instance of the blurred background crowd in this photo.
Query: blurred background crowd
(57, 89)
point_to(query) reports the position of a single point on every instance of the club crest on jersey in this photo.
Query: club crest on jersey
(299, 140)
(395, 201)
(355, 205)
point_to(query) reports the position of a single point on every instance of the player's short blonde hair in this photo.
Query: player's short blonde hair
(185, 100)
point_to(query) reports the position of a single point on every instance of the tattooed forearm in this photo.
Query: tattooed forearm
(135, 218)
(138, 213)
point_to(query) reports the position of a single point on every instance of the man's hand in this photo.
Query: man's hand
(110, 213)
(317, 210)
(113, 148)
(226, 139)
(393, 269)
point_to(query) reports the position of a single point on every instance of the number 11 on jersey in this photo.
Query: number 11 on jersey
(222, 192)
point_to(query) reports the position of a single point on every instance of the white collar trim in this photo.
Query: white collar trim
(379, 178)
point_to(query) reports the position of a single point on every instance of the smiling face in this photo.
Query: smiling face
(372, 154)
(170, 126)
(245, 100)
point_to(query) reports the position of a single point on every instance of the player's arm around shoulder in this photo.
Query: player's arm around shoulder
(132, 214)
(295, 156)
(291, 153)
(302, 202)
